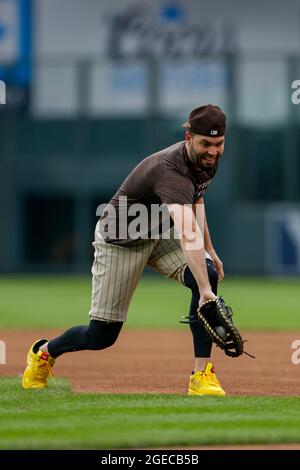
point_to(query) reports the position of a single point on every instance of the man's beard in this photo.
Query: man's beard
(198, 162)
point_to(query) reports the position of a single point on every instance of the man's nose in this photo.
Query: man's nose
(212, 151)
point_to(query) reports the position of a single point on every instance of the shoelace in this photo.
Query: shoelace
(211, 378)
(214, 379)
(51, 374)
(42, 370)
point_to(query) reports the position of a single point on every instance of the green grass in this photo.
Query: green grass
(61, 301)
(57, 419)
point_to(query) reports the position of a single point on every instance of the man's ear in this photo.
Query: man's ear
(187, 136)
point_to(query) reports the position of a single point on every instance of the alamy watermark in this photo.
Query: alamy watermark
(295, 96)
(126, 221)
(2, 92)
(2, 352)
(296, 354)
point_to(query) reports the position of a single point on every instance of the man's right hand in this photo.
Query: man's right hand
(205, 296)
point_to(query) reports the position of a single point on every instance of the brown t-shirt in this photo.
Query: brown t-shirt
(165, 177)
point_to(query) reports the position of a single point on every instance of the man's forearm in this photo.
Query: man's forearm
(197, 264)
(190, 232)
(199, 211)
(207, 240)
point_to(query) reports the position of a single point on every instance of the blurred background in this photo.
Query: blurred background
(92, 87)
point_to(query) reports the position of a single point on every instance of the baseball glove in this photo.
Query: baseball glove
(216, 317)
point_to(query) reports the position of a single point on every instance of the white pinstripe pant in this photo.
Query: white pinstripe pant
(117, 269)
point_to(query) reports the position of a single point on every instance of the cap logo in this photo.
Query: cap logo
(214, 132)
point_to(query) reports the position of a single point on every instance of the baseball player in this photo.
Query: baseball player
(174, 178)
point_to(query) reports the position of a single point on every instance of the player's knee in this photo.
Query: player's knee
(191, 282)
(102, 335)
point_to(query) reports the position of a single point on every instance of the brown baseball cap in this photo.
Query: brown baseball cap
(207, 120)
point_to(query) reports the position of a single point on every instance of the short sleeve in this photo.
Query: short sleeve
(172, 187)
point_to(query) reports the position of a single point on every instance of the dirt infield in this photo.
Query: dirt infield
(160, 362)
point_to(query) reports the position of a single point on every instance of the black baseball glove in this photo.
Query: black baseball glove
(216, 317)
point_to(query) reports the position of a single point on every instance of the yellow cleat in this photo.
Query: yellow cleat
(39, 367)
(205, 382)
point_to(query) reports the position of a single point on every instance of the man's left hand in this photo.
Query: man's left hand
(218, 265)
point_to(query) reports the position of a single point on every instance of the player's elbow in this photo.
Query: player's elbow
(192, 241)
